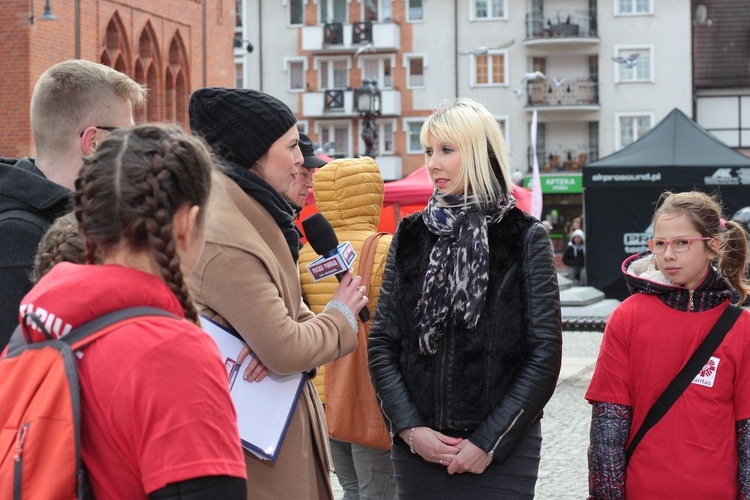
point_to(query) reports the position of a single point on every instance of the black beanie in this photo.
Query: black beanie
(240, 125)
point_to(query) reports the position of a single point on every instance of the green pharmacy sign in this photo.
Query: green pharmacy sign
(560, 184)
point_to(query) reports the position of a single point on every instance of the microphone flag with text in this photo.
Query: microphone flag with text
(334, 258)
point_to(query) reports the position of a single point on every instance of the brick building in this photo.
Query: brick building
(172, 46)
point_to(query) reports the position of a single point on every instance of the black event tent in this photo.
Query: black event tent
(620, 191)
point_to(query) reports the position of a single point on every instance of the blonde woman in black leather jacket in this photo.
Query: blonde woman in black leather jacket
(466, 345)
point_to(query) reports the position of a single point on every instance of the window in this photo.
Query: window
(377, 10)
(415, 64)
(379, 69)
(633, 64)
(333, 73)
(489, 9)
(296, 69)
(239, 74)
(503, 122)
(633, 7)
(238, 16)
(631, 127)
(412, 127)
(386, 129)
(334, 138)
(296, 12)
(332, 11)
(489, 69)
(414, 10)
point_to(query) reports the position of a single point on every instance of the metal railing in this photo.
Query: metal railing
(553, 23)
(562, 92)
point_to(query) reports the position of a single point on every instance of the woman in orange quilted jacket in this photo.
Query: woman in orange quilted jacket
(349, 194)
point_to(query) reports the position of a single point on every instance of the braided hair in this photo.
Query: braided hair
(61, 243)
(129, 190)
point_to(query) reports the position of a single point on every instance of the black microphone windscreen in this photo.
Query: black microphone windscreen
(320, 234)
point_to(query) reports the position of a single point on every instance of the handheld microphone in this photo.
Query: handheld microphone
(335, 259)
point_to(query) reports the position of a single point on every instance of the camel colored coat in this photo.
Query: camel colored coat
(246, 278)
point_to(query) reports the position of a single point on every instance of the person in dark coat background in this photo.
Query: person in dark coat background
(574, 257)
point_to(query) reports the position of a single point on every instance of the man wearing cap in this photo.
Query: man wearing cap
(302, 183)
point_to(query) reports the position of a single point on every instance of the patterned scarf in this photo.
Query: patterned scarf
(262, 192)
(457, 275)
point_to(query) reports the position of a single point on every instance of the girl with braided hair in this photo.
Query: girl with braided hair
(157, 420)
(701, 446)
(61, 243)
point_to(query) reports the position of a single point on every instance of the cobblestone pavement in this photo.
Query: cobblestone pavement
(565, 426)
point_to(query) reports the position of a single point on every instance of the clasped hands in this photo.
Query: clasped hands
(456, 454)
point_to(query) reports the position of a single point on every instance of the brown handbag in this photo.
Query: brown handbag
(352, 411)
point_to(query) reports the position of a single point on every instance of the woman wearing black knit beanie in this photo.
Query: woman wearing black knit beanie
(247, 277)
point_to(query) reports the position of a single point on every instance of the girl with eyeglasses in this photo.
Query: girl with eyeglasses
(701, 446)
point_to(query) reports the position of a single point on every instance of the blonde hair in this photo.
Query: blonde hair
(484, 156)
(704, 213)
(69, 96)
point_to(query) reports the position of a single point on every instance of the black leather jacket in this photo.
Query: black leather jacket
(493, 380)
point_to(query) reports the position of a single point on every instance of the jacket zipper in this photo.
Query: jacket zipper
(691, 306)
(442, 388)
(390, 424)
(491, 454)
(18, 461)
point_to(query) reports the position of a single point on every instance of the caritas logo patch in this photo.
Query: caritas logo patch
(707, 374)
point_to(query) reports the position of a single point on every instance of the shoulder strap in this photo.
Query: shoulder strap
(686, 375)
(85, 333)
(367, 259)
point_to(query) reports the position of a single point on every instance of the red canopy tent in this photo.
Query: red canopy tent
(409, 195)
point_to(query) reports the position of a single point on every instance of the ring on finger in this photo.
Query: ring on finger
(441, 461)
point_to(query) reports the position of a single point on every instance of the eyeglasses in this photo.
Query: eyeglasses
(658, 245)
(102, 127)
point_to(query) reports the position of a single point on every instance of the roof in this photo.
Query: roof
(676, 141)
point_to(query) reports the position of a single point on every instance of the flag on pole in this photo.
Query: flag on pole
(536, 181)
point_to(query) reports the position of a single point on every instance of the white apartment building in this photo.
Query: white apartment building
(607, 71)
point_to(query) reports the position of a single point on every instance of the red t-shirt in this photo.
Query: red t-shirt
(692, 451)
(155, 403)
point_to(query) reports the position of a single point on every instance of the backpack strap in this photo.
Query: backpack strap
(92, 330)
(368, 259)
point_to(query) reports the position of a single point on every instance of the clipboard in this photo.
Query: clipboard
(264, 409)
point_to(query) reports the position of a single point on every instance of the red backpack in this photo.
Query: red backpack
(40, 440)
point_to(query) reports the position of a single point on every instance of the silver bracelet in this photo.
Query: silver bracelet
(411, 440)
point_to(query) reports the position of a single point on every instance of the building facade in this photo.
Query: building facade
(172, 46)
(599, 73)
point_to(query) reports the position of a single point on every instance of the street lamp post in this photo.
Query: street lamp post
(368, 103)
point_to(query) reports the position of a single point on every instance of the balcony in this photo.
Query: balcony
(332, 38)
(563, 94)
(339, 103)
(561, 27)
(569, 161)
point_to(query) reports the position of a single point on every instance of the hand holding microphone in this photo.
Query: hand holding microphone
(325, 243)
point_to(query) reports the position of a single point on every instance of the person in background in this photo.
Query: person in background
(574, 257)
(247, 278)
(303, 181)
(61, 243)
(349, 194)
(157, 420)
(74, 106)
(466, 345)
(701, 446)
